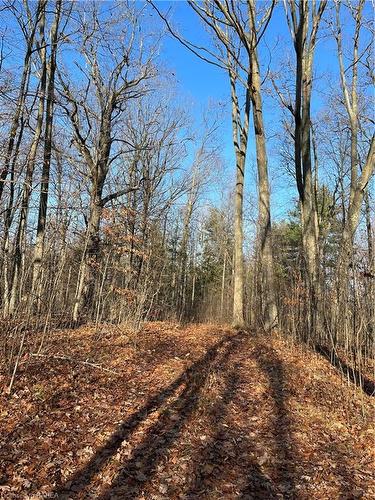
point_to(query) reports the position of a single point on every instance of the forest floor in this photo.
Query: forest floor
(195, 412)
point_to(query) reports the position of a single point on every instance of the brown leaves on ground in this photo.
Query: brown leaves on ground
(198, 412)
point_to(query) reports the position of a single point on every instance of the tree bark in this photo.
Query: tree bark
(24, 85)
(304, 43)
(89, 260)
(44, 188)
(352, 219)
(240, 136)
(19, 245)
(268, 295)
(358, 185)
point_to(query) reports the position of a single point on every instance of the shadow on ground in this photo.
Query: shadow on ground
(354, 375)
(224, 464)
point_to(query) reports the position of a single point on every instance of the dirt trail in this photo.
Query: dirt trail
(197, 412)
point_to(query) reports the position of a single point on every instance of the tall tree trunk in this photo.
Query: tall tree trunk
(223, 286)
(240, 137)
(24, 85)
(358, 185)
(19, 245)
(9, 215)
(370, 232)
(238, 306)
(184, 244)
(309, 215)
(371, 265)
(304, 43)
(234, 32)
(352, 219)
(42, 215)
(89, 258)
(268, 296)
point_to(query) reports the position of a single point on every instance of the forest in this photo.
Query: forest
(187, 279)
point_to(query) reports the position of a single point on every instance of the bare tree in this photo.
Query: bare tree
(201, 176)
(304, 19)
(47, 153)
(19, 244)
(358, 181)
(29, 29)
(94, 112)
(237, 32)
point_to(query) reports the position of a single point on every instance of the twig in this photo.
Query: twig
(67, 358)
(16, 363)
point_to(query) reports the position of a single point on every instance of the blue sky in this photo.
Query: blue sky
(202, 83)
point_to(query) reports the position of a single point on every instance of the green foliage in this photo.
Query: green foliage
(287, 235)
(217, 241)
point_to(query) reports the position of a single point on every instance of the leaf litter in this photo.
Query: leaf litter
(193, 412)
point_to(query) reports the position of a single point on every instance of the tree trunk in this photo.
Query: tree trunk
(9, 215)
(89, 260)
(358, 186)
(19, 245)
(370, 233)
(184, 245)
(223, 287)
(240, 136)
(21, 97)
(42, 215)
(304, 43)
(352, 219)
(268, 296)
